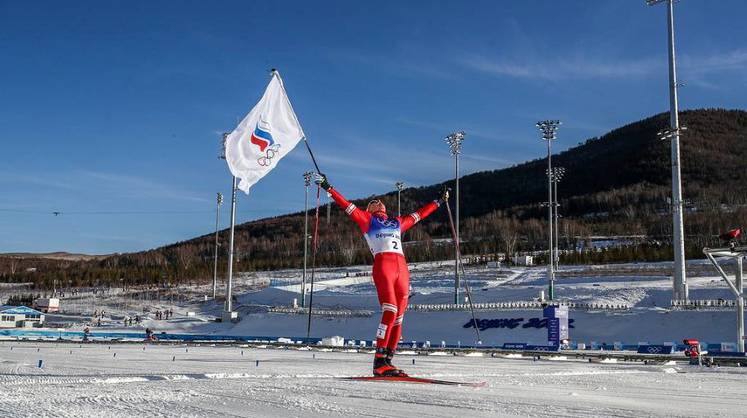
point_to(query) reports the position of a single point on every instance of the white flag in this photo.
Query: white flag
(266, 135)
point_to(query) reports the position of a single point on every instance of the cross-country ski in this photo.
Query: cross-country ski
(414, 379)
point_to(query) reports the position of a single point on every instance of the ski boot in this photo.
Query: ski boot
(389, 357)
(383, 364)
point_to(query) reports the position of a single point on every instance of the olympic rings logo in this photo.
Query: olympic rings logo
(388, 223)
(654, 350)
(270, 153)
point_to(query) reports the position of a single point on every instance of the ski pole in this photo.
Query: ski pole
(459, 261)
(313, 261)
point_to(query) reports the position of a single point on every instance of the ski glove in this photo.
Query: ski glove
(321, 180)
(444, 196)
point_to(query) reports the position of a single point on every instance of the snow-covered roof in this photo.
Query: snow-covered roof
(18, 310)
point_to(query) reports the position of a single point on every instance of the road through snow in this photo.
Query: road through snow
(155, 381)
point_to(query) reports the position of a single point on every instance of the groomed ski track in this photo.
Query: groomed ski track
(175, 380)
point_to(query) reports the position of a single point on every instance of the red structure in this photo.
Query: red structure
(693, 350)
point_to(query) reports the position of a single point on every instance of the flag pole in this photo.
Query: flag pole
(274, 72)
(312, 155)
(228, 314)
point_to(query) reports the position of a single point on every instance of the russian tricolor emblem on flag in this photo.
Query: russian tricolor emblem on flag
(262, 137)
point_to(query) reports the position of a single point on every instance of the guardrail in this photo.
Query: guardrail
(703, 303)
(322, 312)
(446, 307)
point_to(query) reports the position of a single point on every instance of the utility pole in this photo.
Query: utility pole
(215, 255)
(679, 285)
(548, 129)
(307, 182)
(400, 186)
(455, 146)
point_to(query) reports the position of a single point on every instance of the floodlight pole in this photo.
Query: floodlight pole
(307, 182)
(219, 202)
(558, 173)
(455, 146)
(400, 186)
(550, 269)
(548, 129)
(680, 288)
(740, 305)
(556, 253)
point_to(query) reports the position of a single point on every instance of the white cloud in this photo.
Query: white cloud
(723, 61)
(709, 71)
(400, 64)
(584, 67)
(140, 187)
(563, 68)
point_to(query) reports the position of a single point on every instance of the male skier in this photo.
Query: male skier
(390, 274)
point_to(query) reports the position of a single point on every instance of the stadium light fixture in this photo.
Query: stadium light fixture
(399, 186)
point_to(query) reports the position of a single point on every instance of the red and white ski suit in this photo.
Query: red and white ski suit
(390, 274)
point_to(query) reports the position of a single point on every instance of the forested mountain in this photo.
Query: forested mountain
(616, 184)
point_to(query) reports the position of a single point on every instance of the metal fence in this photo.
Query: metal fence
(514, 305)
(703, 303)
(322, 312)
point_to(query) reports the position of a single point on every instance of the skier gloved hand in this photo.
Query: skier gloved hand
(444, 196)
(321, 180)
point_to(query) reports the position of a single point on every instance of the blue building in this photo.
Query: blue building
(21, 317)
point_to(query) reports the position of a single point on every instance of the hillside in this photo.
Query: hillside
(615, 184)
(59, 255)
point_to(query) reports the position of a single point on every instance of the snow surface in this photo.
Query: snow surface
(157, 380)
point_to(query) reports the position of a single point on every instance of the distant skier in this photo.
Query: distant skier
(731, 237)
(390, 273)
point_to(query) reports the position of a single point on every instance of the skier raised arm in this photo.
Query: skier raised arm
(390, 273)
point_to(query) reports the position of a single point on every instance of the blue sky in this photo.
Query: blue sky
(111, 112)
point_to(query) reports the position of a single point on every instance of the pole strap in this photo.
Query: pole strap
(313, 260)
